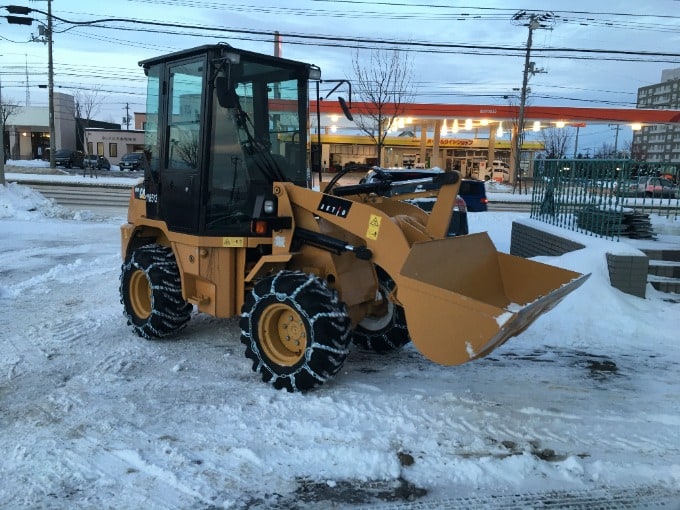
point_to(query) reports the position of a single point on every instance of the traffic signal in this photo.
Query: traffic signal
(18, 9)
(16, 20)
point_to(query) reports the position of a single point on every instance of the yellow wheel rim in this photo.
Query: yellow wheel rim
(282, 334)
(140, 294)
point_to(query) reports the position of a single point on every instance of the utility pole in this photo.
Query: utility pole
(50, 84)
(126, 119)
(534, 21)
(578, 127)
(576, 142)
(45, 35)
(617, 127)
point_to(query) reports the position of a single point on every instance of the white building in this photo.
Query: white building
(113, 144)
(27, 133)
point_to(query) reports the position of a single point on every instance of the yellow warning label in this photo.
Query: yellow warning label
(373, 227)
(232, 242)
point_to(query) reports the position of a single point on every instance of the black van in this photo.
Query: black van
(474, 194)
(68, 158)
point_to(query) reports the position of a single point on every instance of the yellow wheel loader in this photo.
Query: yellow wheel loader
(225, 222)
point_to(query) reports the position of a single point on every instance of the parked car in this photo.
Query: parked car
(133, 161)
(472, 193)
(498, 171)
(69, 159)
(97, 162)
(655, 187)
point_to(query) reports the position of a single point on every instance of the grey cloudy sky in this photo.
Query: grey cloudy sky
(464, 51)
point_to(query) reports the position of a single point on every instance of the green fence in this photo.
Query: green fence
(603, 197)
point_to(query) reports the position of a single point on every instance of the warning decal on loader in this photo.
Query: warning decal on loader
(335, 206)
(233, 242)
(373, 227)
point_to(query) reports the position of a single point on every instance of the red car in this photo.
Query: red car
(655, 187)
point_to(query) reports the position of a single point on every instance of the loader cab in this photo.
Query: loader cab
(222, 125)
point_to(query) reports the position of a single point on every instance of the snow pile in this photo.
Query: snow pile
(28, 163)
(21, 202)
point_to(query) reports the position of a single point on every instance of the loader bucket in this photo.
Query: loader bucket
(463, 298)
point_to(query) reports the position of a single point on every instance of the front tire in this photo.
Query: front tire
(386, 330)
(296, 331)
(151, 292)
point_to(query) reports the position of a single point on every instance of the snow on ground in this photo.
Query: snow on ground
(581, 408)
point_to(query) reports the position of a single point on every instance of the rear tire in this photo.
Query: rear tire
(151, 292)
(296, 331)
(387, 332)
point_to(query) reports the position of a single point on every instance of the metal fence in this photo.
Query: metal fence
(606, 197)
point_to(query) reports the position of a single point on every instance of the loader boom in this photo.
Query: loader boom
(462, 298)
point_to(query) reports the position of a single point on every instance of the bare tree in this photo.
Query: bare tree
(88, 104)
(631, 150)
(383, 82)
(8, 108)
(605, 151)
(556, 141)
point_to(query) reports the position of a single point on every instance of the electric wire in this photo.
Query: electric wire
(398, 10)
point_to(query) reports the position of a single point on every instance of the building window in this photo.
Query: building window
(100, 148)
(113, 150)
(89, 147)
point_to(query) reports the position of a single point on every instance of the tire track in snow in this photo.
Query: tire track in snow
(80, 270)
(164, 474)
(519, 421)
(649, 497)
(125, 469)
(35, 375)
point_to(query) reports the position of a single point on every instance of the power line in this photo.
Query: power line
(405, 45)
(324, 40)
(418, 10)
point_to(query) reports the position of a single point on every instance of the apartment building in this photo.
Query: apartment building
(659, 144)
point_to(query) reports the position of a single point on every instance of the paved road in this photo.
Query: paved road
(495, 205)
